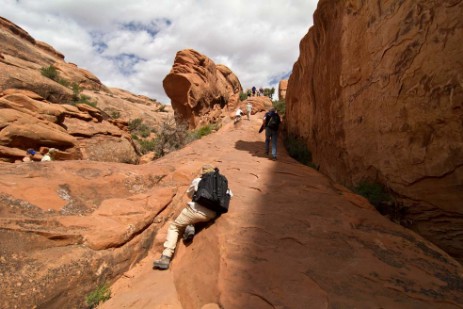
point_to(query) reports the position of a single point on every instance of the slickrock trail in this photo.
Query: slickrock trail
(292, 239)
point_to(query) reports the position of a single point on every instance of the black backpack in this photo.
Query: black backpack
(273, 121)
(212, 192)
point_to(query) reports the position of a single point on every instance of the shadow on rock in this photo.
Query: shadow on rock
(256, 148)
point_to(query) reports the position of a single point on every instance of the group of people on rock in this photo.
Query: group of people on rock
(45, 154)
(255, 93)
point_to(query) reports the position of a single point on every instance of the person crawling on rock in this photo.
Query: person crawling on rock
(210, 198)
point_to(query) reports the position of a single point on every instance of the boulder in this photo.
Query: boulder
(200, 90)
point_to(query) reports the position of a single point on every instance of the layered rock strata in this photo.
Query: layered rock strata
(377, 95)
(201, 92)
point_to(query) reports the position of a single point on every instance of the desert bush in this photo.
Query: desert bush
(243, 96)
(115, 114)
(101, 294)
(384, 202)
(203, 131)
(134, 124)
(138, 128)
(374, 192)
(169, 137)
(50, 72)
(85, 99)
(147, 145)
(298, 150)
(63, 82)
(280, 106)
(269, 92)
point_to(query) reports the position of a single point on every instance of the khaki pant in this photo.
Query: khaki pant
(186, 217)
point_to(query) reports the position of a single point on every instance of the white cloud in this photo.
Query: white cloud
(258, 40)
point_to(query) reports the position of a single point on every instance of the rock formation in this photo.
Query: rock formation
(291, 236)
(38, 111)
(377, 95)
(282, 86)
(201, 92)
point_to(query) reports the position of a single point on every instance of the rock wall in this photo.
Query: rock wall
(200, 91)
(376, 94)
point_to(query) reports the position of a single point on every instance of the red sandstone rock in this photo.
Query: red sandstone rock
(376, 94)
(282, 87)
(200, 91)
(80, 131)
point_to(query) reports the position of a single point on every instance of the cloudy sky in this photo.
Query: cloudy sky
(132, 44)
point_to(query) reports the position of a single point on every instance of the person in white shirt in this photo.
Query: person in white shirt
(248, 110)
(191, 214)
(238, 114)
(49, 155)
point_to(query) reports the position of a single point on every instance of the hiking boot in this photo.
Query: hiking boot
(163, 263)
(189, 233)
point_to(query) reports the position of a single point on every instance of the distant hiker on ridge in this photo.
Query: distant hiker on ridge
(210, 197)
(253, 91)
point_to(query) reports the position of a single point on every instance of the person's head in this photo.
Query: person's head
(272, 109)
(207, 168)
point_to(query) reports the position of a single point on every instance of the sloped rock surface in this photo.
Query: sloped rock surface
(292, 239)
(200, 91)
(377, 95)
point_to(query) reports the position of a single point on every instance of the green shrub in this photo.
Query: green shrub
(280, 106)
(75, 92)
(63, 82)
(115, 114)
(243, 96)
(375, 193)
(135, 124)
(269, 92)
(298, 150)
(101, 294)
(147, 145)
(50, 72)
(84, 99)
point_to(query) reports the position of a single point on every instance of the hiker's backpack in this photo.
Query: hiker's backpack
(274, 121)
(212, 192)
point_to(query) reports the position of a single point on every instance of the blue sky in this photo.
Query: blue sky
(132, 44)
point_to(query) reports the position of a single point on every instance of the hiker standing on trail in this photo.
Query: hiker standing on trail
(253, 91)
(200, 209)
(248, 110)
(271, 122)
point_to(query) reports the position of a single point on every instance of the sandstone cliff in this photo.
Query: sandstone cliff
(38, 111)
(201, 92)
(377, 95)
